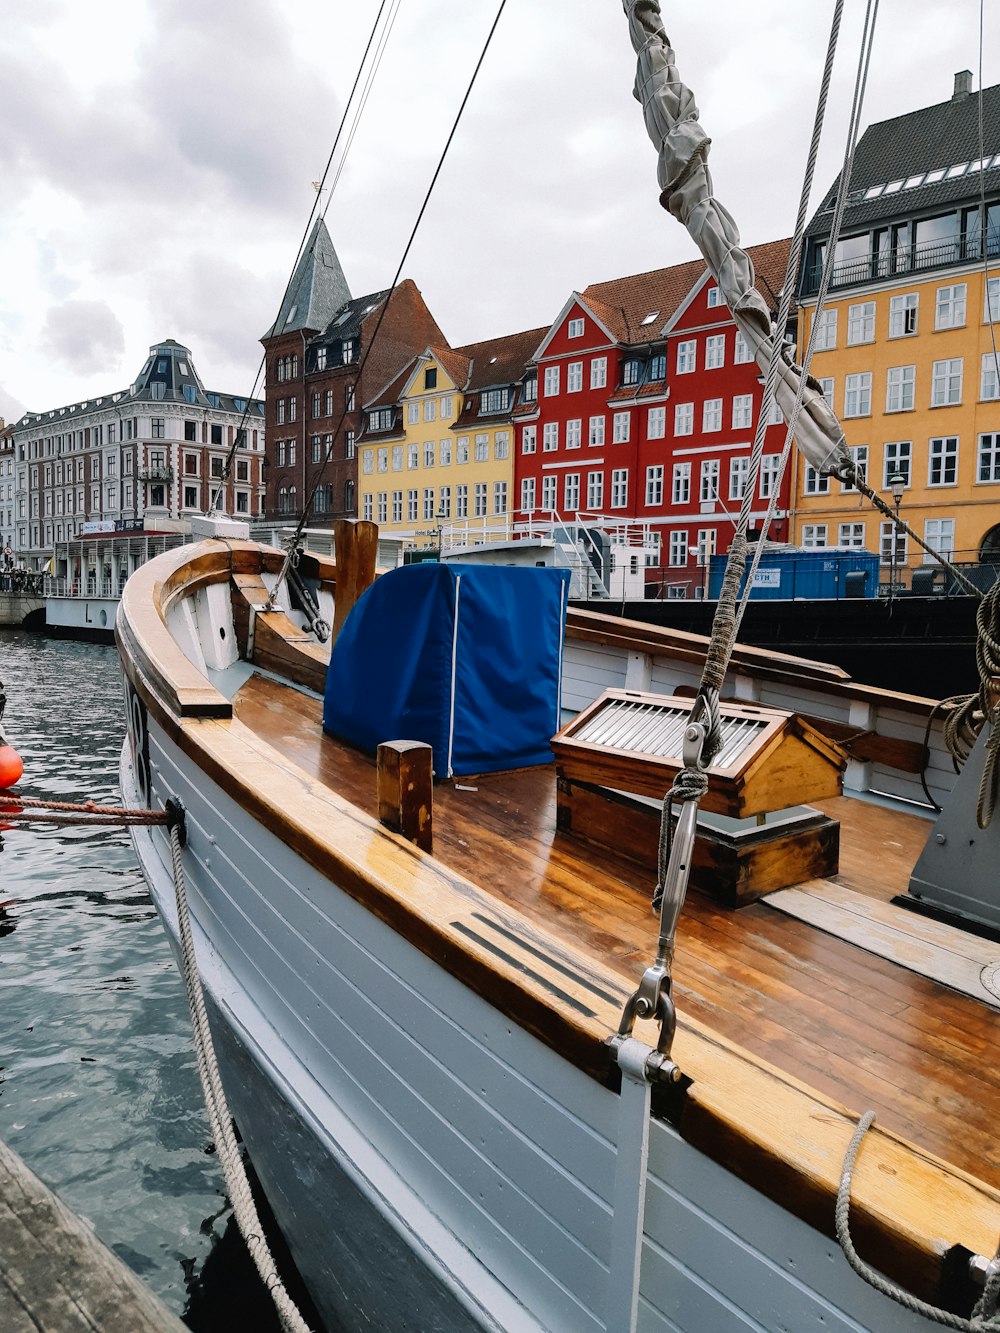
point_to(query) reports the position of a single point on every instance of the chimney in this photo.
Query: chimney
(963, 85)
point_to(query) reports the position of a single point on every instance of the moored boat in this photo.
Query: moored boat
(416, 1044)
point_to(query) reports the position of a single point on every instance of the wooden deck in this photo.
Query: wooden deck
(856, 1027)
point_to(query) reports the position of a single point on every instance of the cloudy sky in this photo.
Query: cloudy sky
(156, 160)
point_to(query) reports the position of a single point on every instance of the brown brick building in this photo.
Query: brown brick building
(327, 353)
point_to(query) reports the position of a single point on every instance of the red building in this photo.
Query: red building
(639, 416)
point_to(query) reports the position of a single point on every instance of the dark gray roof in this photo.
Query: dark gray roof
(348, 318)
(935, 137)
(318, 287)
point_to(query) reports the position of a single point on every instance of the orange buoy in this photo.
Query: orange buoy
(11, 766)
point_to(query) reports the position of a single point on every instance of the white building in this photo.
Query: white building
(142, 458)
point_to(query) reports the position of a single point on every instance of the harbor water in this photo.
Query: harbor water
(99, 1092)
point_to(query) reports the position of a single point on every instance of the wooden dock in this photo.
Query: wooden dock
(56, 1276)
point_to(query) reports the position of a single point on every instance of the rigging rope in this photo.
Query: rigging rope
(220, 1119)
(227, 467)
(985, 1316)
(296, 537)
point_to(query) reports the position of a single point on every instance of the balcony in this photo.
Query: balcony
(157, 474)
(886, 263)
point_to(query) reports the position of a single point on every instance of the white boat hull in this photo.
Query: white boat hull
(431, 1164)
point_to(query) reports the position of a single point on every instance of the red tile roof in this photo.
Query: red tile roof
(501, 360)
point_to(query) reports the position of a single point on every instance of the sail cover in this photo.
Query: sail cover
(466, 658)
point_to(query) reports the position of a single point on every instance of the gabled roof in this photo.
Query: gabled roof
(624, 303)
(933, 139)
(317, 289)
(499, 361)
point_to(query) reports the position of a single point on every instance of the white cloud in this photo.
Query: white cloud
(85, 337)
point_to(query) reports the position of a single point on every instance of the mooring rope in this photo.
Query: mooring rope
(220, 1119)
(69, 812)
(985, 1316)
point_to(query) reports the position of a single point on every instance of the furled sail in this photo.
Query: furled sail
(686, 190)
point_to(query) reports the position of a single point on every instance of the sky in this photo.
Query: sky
(157, 160)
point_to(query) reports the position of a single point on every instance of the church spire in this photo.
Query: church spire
(317, 290)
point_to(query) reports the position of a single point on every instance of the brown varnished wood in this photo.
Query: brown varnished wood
(356, 545)
(854, 1026)
(405, 790)
(780, 1025)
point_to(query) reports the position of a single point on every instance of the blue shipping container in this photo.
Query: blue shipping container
(798, 573)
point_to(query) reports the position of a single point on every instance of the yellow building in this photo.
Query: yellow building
(906, 344)
(436, 449)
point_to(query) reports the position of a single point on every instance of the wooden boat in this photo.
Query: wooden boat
(418, 1045)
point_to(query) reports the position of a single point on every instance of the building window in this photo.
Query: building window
(574, 329)
(367, 508)
(430, 377)
(851, 534)
(397, 506)
(349, 443)
(551, 382)
(412, 505)
(574, 433)
(814, 534)
(680, 489)
(482, 448)
(991, 301)
(383, 460)
(528, 440)
(413, 455)
(741, 351)
(631, 371)
(599, 372)
(317, 448)
(825, 331)
(861, 323)
(529, 392)
(656, 422)
(658, 367)
(430, 409)
(946, 382)
(428, 501)
(549, 494)
(446, 405)
(816, 483)
(571, 492)
(499, 497)
(684, 419)
(619, 488)
(949, 307)
(550, 437)
(715, 351)
(687, 357)
(574, 377)
(890, 536)
(943, 461)
(528, 494)
(621, 427)
(705, 546)
(397, 458)
(899, 388)
(383, 506)
(368, 462)
(492, 401)
(595, 491)
(770, 465)
(743, 411)
(596, 438)
(826, 383)
(156, 428)
(677, 548)
(444, 501)
(988, 468)
(328, 403)
(858, 394)
(190, 497)
(714, 298)
(739, 470)
(445, 453)
(903, 315)
(709, 480)
(654, 484)
(896, 458)
(412, 414)
(711, 414)
(859, 453)
(939, 533)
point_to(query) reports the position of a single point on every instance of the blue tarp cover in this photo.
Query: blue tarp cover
(466, 658)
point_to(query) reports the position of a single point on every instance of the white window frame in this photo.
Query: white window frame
(950, 305)
(858, 394)
(680, 485)
(711, 415)
(942, 451)
(900, 388)
(946, 382)
(904, 312)
(684, 418)
(715, 351)
(654, 484)
(860, 323)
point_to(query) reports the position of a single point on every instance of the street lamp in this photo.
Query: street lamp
(440, 517)
(897, 484)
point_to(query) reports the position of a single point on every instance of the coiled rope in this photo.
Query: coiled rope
(985, 1315)
(220, 1119)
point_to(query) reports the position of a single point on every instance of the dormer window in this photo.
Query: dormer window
(648, 319)
(530, 391)
(630, 372)
(658, 368)
(492, 401)
(430, 377)
(348, 350)
(321, 358)
(380, 419)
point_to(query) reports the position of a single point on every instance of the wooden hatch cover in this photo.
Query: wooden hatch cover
(770, 759)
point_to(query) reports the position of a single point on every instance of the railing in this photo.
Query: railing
(917, 575)
(901, 259)
(23, 583)
(157, 474)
